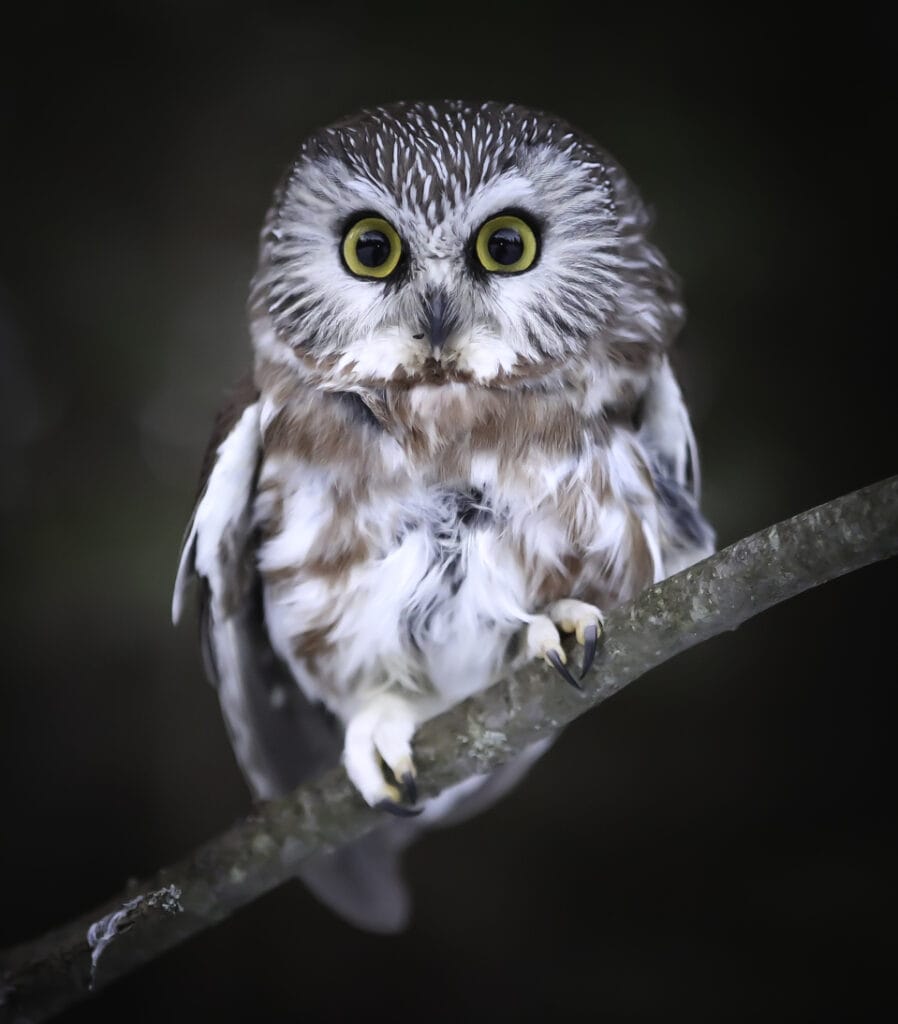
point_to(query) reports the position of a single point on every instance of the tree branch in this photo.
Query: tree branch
(264, 850)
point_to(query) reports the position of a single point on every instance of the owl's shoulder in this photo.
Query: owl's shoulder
(241, 396)
(320, 428)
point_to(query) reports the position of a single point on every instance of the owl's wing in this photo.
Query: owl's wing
(279, 737)
(666, 434)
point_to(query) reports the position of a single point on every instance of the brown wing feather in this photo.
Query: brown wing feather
(280, 738)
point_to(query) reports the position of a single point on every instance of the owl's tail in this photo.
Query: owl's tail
(362, 882)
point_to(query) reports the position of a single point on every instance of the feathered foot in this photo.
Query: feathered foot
(544, 641)
(584, 621)
(378, 738)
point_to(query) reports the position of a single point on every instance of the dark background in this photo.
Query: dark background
(717, 841)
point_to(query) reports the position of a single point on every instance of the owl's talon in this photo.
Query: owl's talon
(398, 810)
(543, 641)
(554, 659)
(590, 643)
(377, 753)
(409, 788)
(584, 621)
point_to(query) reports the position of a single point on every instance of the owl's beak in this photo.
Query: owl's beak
(438, 321)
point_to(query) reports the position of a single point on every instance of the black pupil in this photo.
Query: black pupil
(372, 248)
(505, 246)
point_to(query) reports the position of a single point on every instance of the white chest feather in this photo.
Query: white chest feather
(416, 583)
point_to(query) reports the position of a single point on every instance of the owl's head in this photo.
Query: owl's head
(430, 243)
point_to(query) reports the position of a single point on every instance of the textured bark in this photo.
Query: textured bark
(262, 851)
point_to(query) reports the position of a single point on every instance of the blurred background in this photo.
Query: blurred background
(717, 841)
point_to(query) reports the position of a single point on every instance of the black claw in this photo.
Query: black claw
(562, 670)
(391, 807)
(589, 648)
(409, 788)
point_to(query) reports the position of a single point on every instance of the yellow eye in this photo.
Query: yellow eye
(371, 248)
(506, 245)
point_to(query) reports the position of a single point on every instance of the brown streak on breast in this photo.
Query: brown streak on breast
(557, 582)
(277, 578)
(641, 569)
(521, 372)
(312, 643)
(318, 434)
(536, 425)
(339, 546)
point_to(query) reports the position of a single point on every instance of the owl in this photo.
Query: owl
(461, 439)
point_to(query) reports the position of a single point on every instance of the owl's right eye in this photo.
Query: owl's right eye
(371, 248)
(506, 245)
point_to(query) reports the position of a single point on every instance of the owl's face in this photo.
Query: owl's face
(433, 244)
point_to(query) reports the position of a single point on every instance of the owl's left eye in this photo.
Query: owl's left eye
(506, 245)
(372, 248)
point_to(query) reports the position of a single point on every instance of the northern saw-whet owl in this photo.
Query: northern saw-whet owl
(461, 438)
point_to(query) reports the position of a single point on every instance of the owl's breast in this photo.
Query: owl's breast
(420, 586)
(424, 583)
